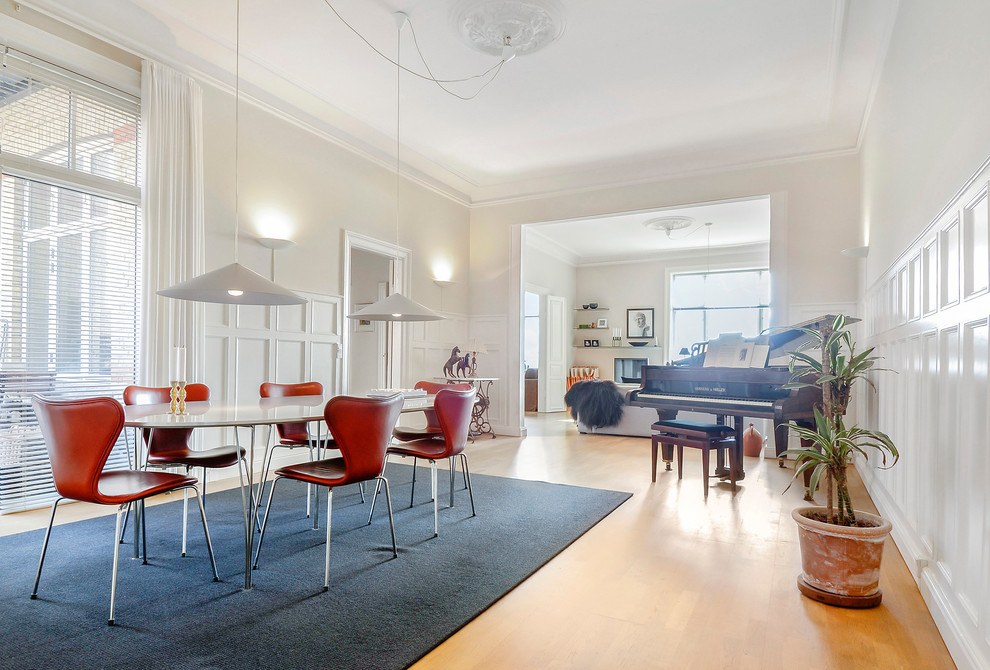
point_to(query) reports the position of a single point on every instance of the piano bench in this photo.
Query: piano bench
(704, 436)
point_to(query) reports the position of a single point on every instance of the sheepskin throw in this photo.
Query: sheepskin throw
(595, 402)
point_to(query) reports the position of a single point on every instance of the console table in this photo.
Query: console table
(479, 415)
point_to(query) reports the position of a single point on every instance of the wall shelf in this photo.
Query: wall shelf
(621, 346)
(596, 309)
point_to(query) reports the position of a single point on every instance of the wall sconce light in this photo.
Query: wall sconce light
(443, 283)
(856, 252)
(275, 243)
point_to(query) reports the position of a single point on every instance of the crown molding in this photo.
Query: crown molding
(540, 242)
(693, 255)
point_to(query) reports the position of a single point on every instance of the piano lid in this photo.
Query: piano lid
(782, 340)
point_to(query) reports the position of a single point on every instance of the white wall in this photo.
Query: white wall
(928, 135)
(814, 214)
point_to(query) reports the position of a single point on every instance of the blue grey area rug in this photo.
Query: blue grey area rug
(380, 611)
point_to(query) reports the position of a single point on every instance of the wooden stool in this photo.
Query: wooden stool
(704, 436)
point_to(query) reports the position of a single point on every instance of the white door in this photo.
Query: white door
(556, 365)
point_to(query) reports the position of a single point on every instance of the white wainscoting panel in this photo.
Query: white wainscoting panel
(929, 316)
(250, 344)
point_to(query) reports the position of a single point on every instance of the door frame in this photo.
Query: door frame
(400, 279)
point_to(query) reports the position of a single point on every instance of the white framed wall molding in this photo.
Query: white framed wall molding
(250, 344)
(929, 316)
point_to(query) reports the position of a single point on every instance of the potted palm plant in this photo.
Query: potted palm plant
(841, 548)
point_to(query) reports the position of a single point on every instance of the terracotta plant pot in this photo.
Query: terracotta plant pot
(841, 564)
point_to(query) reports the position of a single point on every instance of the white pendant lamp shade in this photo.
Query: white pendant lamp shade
(232, 284)
(396, 307)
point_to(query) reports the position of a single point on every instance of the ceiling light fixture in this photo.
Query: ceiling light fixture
(233, 284)
(396, 307)
(509, 28)
(668, 224)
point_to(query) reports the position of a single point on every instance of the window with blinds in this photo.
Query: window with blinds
(69, 257)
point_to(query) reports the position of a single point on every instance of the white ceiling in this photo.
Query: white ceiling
(633, 90)
(737, 225)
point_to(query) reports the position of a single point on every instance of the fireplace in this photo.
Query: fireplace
(629, 370)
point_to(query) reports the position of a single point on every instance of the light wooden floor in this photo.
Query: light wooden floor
(667, 580)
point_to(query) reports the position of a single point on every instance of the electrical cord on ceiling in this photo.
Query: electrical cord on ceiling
(439, 82)
(687, 235)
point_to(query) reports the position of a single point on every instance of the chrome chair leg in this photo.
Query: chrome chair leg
(412, 493)
(326, 569)
(467, 476)
(206, 532)
(123, 528)
(241, 474)
(116, 558)
(433, 482)
(453, 467)
(361, 489)
(261, 487)
(185, 513)
(144, 532)
(309, 494)
(264, 523)
(391, 523)
(374, 499)
(44, 548)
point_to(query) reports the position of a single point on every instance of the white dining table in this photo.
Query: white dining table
(263, 412)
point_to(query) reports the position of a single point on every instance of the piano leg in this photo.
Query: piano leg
(780, 434)
(737, 449)
(667, 450)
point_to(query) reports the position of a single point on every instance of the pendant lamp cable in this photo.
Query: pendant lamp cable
(401, 21)
(237, 125)
(493, 70)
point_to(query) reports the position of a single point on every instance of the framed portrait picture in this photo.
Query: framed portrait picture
(587, 343)
(639, 322)
(594, 343)
(363, 325)
(602, 323)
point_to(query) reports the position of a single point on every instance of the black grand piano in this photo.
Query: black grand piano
(740, 393)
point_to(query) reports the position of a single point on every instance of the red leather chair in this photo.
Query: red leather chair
(361, 428)
(453, 408)
(170, 446)
(292, 435)
(432, 429)
(79, 435)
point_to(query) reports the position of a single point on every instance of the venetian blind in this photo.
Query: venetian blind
(69, 254)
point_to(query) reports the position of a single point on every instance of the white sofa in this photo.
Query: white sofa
(635, 422)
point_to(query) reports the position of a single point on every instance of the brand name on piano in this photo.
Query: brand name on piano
(710, 389)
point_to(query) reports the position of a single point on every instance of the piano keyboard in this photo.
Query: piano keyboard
(715, 400)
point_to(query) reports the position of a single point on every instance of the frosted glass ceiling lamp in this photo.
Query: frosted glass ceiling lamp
(234, 284)
(396, 307)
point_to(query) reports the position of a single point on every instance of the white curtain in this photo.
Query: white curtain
(172, 209)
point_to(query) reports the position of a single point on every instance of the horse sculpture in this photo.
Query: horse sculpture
(448, 367)
(464, 366)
